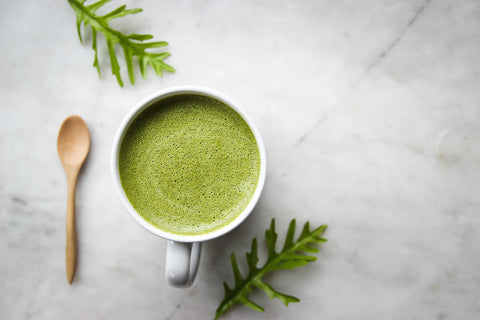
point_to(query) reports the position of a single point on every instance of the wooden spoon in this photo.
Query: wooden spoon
(72, 145)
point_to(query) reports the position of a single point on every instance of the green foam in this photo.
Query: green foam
(189, 164)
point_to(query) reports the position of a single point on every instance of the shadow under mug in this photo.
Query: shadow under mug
(183, 251)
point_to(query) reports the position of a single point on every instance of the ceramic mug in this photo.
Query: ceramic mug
(183, 251)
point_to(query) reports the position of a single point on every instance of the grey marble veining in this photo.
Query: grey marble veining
(371, 119)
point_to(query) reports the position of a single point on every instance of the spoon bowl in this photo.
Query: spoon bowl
(73, 141)
(73, 144)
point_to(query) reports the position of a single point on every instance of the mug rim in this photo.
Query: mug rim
(146, 103)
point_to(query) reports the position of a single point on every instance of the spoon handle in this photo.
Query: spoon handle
(71, 244)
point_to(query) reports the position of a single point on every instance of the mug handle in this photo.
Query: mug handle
(181, 264)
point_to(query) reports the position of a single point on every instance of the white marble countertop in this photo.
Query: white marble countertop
(371, 117)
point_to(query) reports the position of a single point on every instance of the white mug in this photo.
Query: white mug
(183, 251)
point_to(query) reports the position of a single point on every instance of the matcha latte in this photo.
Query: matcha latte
(189, 164)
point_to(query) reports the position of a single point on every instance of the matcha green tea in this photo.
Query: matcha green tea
(189, 164)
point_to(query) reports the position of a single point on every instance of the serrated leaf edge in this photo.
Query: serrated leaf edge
(133, 45)
(287, 258)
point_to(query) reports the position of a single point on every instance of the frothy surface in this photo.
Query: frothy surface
(189, 164)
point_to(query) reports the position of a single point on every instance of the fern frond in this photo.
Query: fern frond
(133, 45)
(293, 254)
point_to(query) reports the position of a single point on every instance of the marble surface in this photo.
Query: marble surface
(371, 118)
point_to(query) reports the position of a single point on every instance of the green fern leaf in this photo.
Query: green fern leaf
(294, 254)
(133, 45)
